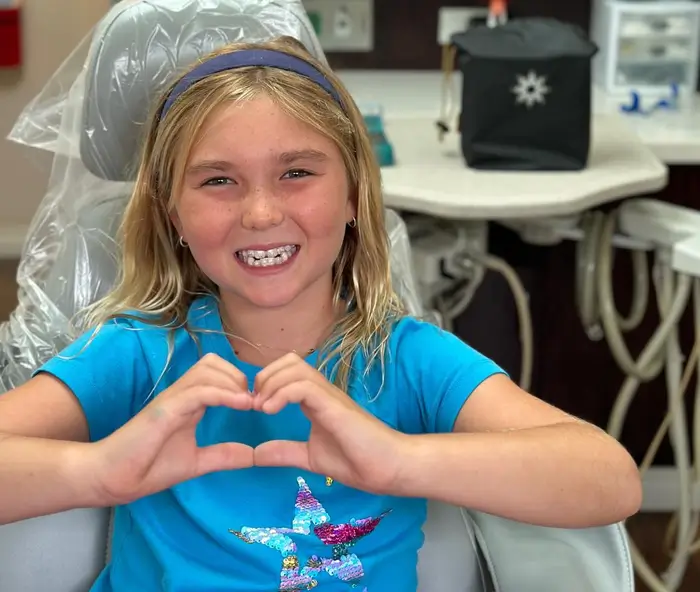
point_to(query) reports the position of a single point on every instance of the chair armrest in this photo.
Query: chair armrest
(62, 552)
(525, 558)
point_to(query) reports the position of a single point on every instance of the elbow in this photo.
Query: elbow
(632, 491)
(625, 493)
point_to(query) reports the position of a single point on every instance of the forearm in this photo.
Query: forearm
(40, 477)
(565, 475)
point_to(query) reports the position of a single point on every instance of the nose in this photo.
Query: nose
(261, 210)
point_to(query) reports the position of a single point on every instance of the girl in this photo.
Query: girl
(251, 397)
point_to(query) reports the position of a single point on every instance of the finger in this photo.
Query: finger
(303, 392)
(219, 370)
(286, 361)
(223, 457)
(283, 453)
(197, 398)
(277, 381)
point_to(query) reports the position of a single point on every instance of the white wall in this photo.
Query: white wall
(51, 29)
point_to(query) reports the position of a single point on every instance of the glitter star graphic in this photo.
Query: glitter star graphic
(310, 515)
(530, 89)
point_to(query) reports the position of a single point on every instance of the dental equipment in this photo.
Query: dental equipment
(672, 235)
(450, 261)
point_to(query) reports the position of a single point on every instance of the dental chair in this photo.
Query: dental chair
(90, 116)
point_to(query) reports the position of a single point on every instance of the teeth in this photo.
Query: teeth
(267, 258)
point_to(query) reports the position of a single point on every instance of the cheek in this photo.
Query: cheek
(322, 220)
(205, 224)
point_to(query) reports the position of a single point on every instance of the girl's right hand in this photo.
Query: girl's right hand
(158, 448)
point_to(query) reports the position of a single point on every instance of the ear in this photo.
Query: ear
(351, 207)
(175, 219)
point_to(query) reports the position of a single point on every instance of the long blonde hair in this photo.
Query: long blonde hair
(158, 281)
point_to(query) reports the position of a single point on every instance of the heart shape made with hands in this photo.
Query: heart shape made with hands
(346, 443)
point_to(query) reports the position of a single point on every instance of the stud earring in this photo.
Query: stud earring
(183, 243)
(353, 222)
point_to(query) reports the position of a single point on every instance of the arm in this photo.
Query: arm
(515, 456)
(485, 444)
(44, 457)
(46, 460)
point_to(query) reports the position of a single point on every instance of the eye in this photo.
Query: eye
(216, 181)
(297, 174)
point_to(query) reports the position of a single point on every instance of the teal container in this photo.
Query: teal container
(383, 150)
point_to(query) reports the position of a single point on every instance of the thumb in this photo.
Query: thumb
(223, 457)
(283, 453)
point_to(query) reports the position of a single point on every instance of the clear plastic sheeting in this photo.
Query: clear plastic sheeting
(90, 115)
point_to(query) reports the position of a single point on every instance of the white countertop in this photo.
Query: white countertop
(673, 137)
(431, 178)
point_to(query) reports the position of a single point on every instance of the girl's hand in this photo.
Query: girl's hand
(158, 448)
(346, 442)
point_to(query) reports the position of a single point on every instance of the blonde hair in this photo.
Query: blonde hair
(163, 294)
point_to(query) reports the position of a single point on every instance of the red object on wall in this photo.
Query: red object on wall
(10, 37)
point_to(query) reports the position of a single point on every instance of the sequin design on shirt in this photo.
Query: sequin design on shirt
(310, 516)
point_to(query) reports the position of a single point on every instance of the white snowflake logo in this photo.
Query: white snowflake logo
(530, 90)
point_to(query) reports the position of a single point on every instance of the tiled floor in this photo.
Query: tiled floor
(648, 530)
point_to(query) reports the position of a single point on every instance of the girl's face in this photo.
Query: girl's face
(264, 205)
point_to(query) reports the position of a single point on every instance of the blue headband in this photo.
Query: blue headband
(249, 57)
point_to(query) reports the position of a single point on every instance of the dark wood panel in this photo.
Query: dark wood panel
(406, 30)
(8, 288)
(649, 533)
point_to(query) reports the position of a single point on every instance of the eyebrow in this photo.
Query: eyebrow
(296, 155)
(287, 158)
(208, 165)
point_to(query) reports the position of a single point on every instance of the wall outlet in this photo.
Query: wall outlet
(343, 25)
(453, 20)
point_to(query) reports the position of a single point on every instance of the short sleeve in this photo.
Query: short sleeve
(106, 371)
(440, 371)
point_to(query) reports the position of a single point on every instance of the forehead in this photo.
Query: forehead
(256, 125)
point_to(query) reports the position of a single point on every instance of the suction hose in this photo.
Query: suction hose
(472, 259)
(596, 304)
(472, 263)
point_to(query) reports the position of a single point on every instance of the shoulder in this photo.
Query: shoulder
(438, 370)
(413, 337)
(428, 357)
(114, 336)
(149, 331)
(132, 338)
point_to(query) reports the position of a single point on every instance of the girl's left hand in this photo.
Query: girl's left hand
(346, 442)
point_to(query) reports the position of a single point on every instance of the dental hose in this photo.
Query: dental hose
(596, 304)
(473, 260)
(522, 306)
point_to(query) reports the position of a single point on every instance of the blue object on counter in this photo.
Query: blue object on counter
(635, 104)
(383, 150)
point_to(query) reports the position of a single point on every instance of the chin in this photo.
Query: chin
(272, 297)
(273, 300)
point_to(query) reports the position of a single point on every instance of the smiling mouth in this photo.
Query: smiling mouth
(268, 258)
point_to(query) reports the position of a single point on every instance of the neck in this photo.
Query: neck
(261, 335)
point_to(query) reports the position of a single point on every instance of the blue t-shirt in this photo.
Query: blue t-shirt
(265, 529)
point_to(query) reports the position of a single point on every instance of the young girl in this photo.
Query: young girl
(251, 397)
